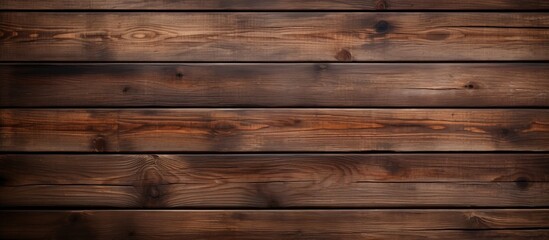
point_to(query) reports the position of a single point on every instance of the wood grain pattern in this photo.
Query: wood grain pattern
(275, 85)
(304, 224)
(272, 195)
(290, 36)
(276, 5)
(234, 130)
(274, 181)
(275, 119)
(126, 169)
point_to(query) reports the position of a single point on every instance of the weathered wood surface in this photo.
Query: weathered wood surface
(275, 85)
(314, 149)
(289, 36)
(274, 181)
(127, 169)
(235, 130)
(289, 224)
(276, 5)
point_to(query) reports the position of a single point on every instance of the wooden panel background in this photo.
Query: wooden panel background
(288, 224)
(273, 130)
(284, 36)
(276, 5)
(261, 85)
(276, 119)
(275, 180)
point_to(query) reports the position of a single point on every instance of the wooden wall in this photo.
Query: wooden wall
(275, 119)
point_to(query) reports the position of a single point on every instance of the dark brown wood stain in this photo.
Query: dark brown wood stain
(276, 37)
(278, 119)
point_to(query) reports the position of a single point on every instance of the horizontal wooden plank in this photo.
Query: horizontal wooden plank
(275, 5)
(281, 180)
(280, 194)
(279, 85)
(302, 224)
(234, 130)
(127, 169)
(290, 36)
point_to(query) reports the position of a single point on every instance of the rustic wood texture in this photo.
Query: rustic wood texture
(275, 119)
(234, 130)
(304, 224)
(127, 169)
(274, 181)
(288, 36)
(275, 85)
(276, 5)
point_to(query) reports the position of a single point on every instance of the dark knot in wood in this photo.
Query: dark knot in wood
(469, 85)
(381, 5)
(154, 192)
(382, 26)
(99, 144)
(522, 183)
(344, 55)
